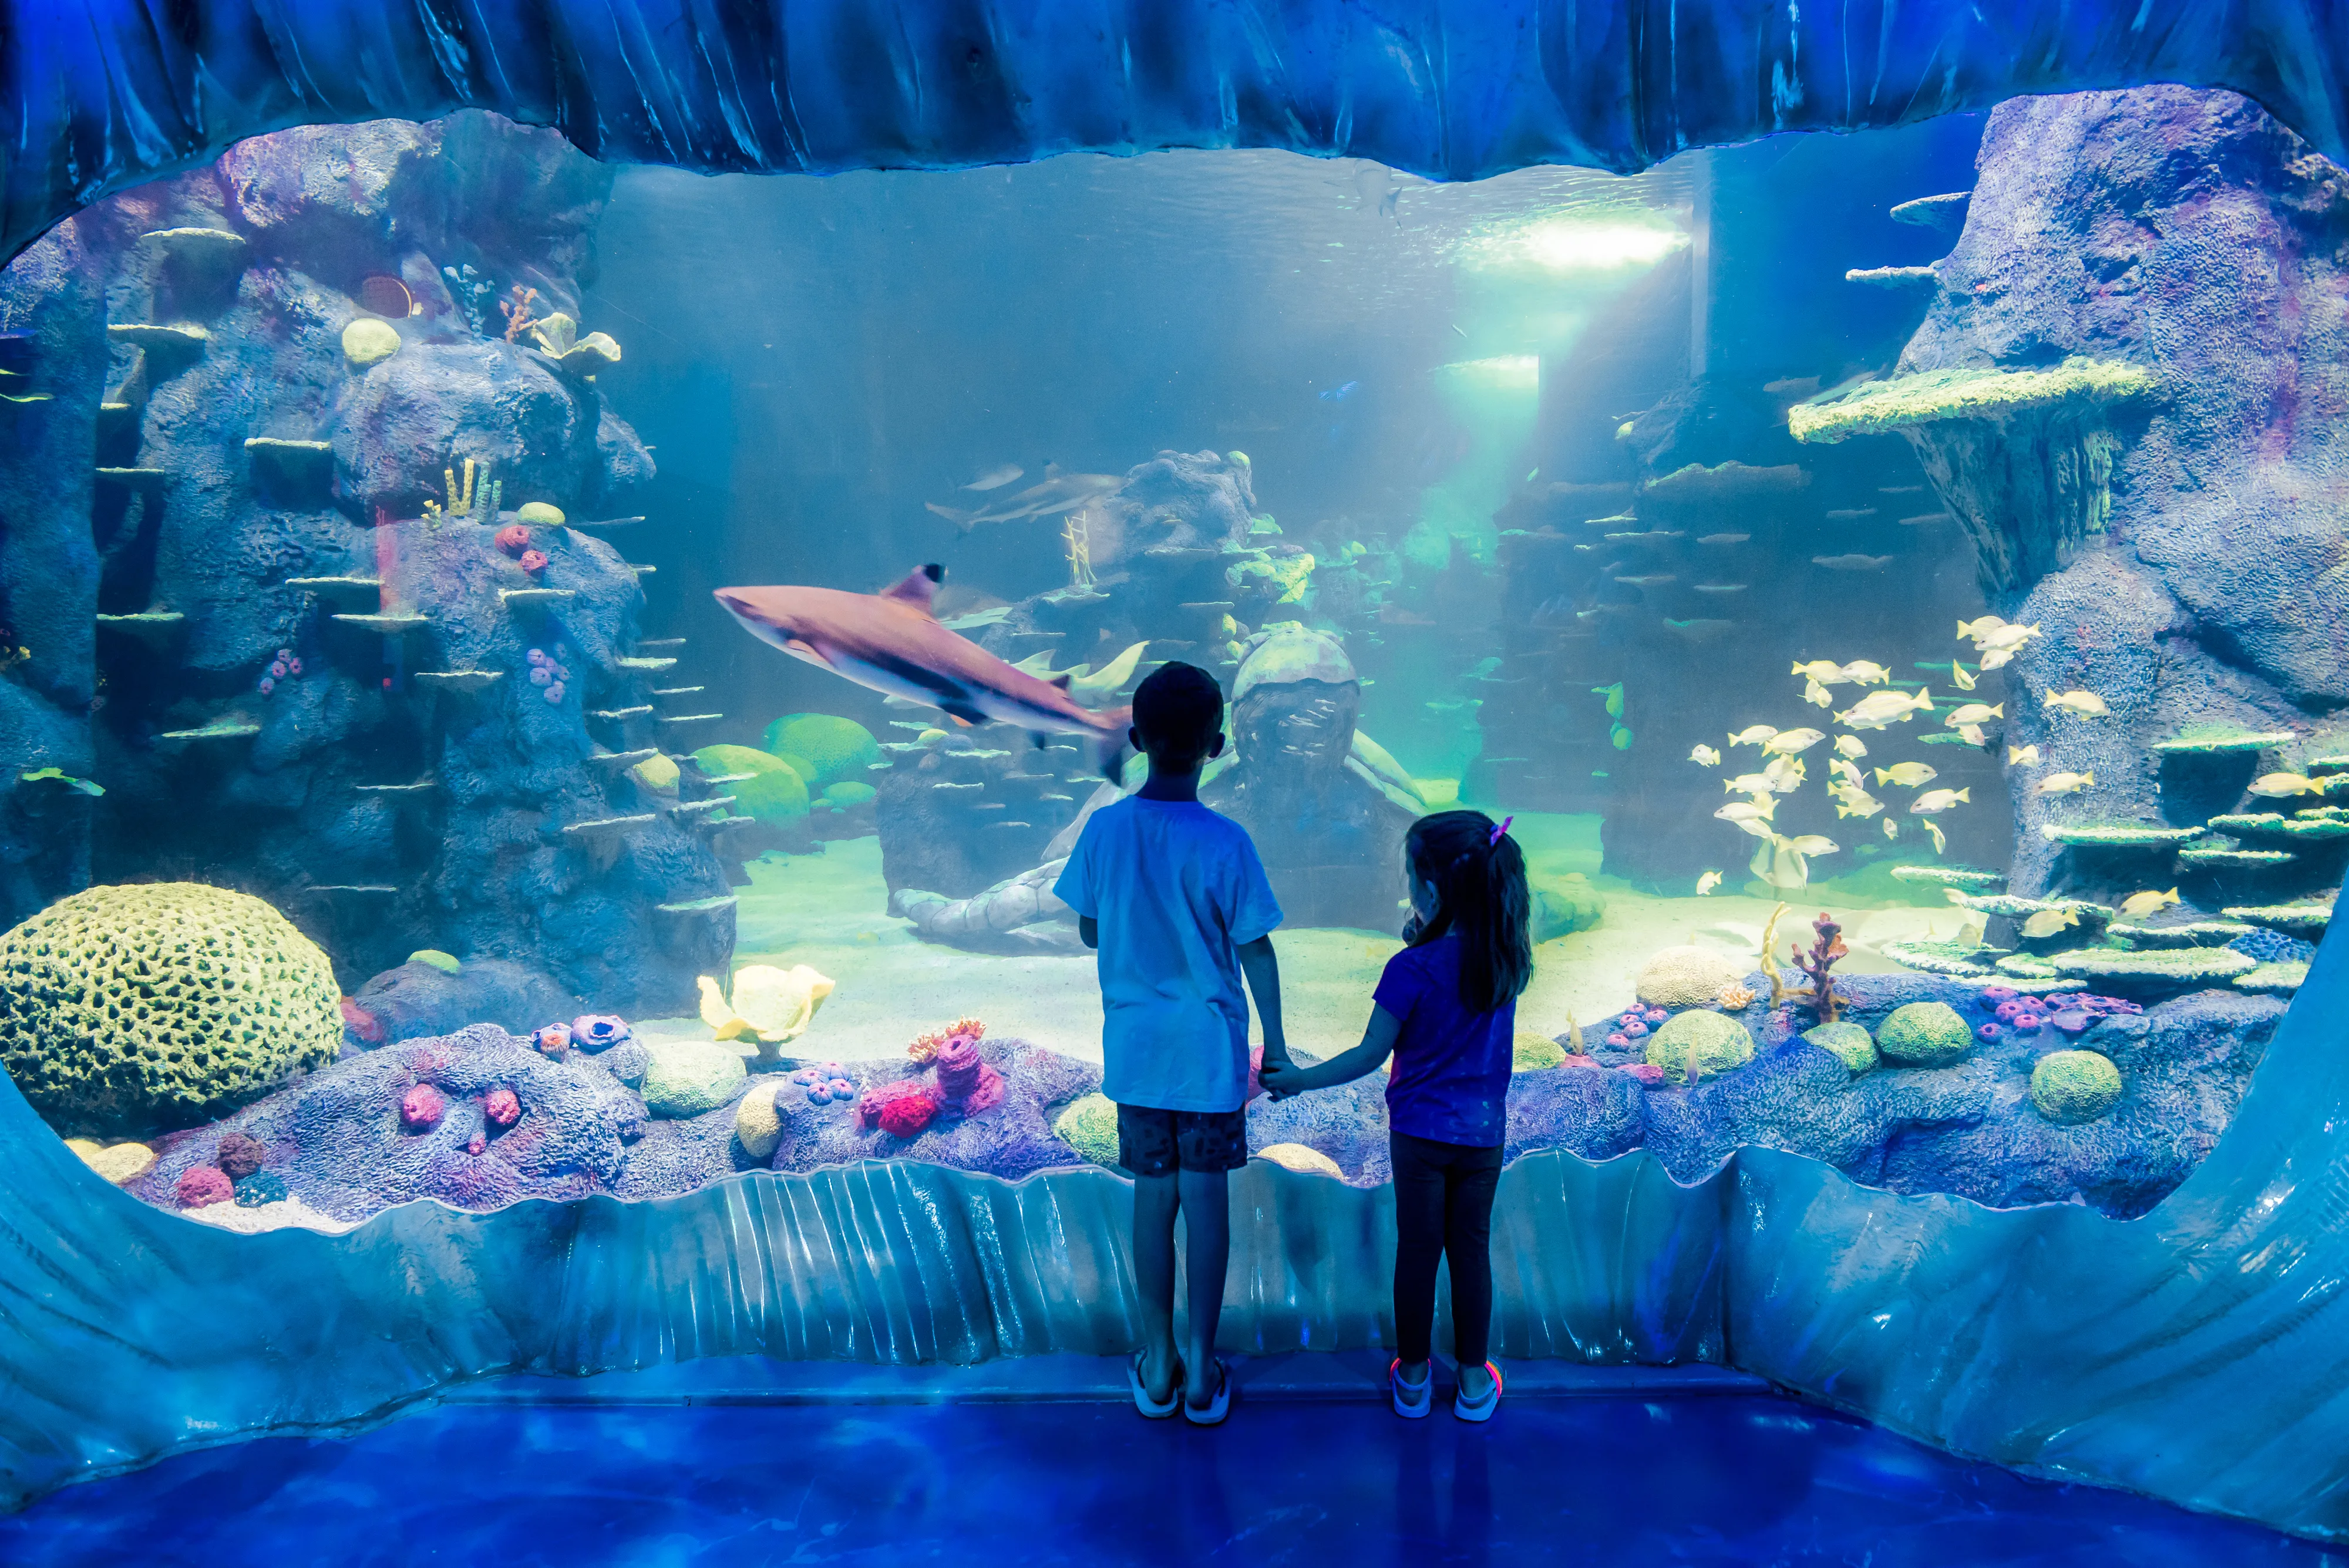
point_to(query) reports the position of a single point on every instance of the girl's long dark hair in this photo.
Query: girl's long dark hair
(1480, 892)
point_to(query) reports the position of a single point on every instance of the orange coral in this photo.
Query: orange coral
(517, 312)
(926, 1047)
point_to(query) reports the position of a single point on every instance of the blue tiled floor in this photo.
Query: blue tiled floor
(750, 1466)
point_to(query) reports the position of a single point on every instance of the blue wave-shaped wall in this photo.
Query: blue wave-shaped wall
(103, 93)
(2194, 1354)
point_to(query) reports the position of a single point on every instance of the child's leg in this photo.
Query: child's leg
(1469, 1183)
(1207, 1251)
(1419, 1191)
(1155, 1200)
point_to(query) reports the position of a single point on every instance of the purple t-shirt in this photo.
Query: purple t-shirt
(1449, 1080)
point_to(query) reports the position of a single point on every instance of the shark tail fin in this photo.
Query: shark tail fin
(1110, 754)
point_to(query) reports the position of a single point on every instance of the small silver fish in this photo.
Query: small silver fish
(1724, 538)
(1850, 514)
(1853, 562)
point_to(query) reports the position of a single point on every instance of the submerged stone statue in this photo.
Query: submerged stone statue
(1327, 806)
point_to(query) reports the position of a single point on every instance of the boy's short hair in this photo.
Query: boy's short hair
(1179, 706)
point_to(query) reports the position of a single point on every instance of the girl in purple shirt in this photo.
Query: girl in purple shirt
(1446, 1010)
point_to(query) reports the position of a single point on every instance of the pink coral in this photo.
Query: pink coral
(901, 1109)
(502, 1106)
(421, 1108)
(964, 1082)
(533, 561)
(201, 1186)
(514, 538)
(364, 1025)
(1646, 1074)
(553, 1040)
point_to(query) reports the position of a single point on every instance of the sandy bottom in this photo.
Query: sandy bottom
(828, 910)
(287, 1214)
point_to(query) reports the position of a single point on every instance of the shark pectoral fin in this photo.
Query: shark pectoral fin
(919, 586)
(800, 648)
(1036, 740)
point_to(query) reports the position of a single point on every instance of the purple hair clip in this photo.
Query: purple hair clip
(1494, 842)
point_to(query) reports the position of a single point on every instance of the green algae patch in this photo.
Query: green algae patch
(2158, 969)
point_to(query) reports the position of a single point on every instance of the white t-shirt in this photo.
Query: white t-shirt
(1175, 888)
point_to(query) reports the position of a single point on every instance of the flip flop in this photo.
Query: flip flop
(1150, 1409)
(1412, 1400)
(1218, 1407)
(1469, 1409)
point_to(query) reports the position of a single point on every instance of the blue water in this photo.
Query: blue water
(1723, 1479)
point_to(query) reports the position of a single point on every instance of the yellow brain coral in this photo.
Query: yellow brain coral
(127, 1010)
(1686, 977)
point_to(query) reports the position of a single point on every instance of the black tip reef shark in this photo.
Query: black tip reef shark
(890, 642)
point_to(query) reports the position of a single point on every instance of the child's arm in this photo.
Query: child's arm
(1263, 973)
(1377, 1045)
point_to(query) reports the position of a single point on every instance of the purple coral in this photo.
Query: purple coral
(1655, 1015)
(598, 1031)
(967, 1083)
(1998, 994)
(1990, 1031)
(2027, 1023)
(201, 1186)
(292, 667)
(2031, 1004)
(537, 656)
(502, 1106)
(1635, 1029)
(541, 675)
(2006, 1010)
(554, 692)
(1619, 1040)
(421, 1108)
(278, 671)
(239, 1155)
(2072, 1022)
(267, 686)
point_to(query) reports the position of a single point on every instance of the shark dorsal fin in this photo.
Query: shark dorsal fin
(918, 587)
(1061, 680)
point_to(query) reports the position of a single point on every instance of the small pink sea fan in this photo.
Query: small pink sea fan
(502, 1106)
(533, 561)
(514, 538)
(421, 1108)
(201, 1186)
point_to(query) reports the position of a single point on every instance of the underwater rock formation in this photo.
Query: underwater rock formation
(127, 1010)
(309, 674)
(2129, 405)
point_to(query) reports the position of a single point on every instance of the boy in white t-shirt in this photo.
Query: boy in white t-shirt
(1174, 900)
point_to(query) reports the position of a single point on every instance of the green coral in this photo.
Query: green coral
(2158, 969)
(686, 1077)
(1089, 1127)
(846, 796)
(1964, 392)
(2293, 919)
(1950, 876)
(1530, 1053)
(1847, 1042)
(1962, 959)
(2118, 834)
(2221, 742)
(2276, 979)
(839, 750)
(1700, 1044)
(127, 1009)
(2070, 1087)
(433, 958)
(775, 793)
(1925, 1034)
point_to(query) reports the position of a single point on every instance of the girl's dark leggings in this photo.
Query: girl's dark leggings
(1443, 1208)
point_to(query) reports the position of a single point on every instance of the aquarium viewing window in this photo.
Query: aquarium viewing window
(551, 682)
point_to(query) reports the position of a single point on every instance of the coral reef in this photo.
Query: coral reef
(2070, 1087)
(202, 1185)
(769, 1005)
(1924, 1034)
(1847, 1042)
(1089, 1126)
(2160, 972)
(1685, 977)
(765, 788)
(125, 1010)
(837, 750)
(1697, 1045)
(684, 1078)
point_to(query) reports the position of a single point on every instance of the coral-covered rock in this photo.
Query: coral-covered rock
(1925, 1034)
(239, 1155)
(758, 1124)
(1089, 1126)
(902, 1109)
(2070, 1087)
(685, 1077)
(201, 1186)
(1531, 1053)
(119, 1163)
(161, 1004)
(1685, 977)
(1698, 1045)
(1847, 1042)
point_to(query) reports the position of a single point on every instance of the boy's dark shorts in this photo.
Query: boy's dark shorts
(1152, 1142)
